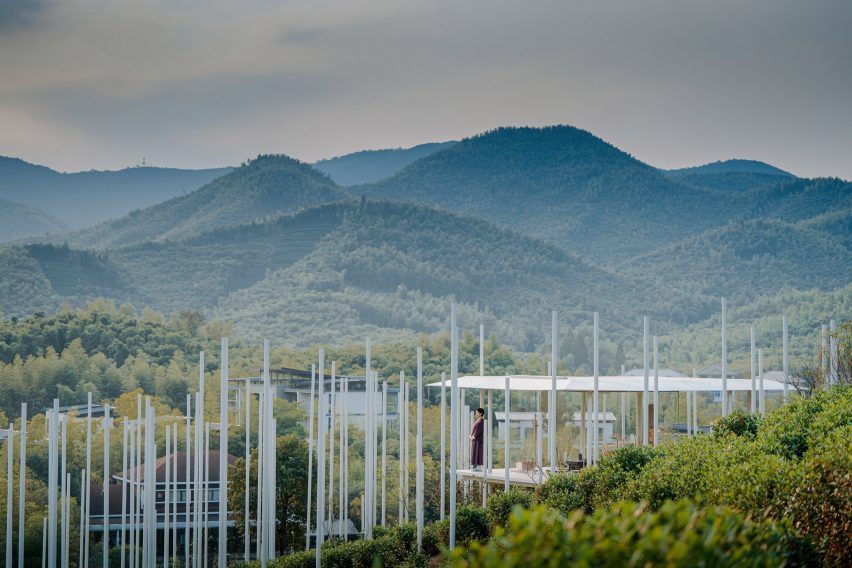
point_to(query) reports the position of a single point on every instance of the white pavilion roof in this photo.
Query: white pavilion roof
(607, 384)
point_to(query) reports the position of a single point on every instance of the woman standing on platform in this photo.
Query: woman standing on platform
(477, 432)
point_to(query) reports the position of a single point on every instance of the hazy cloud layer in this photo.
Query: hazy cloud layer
(102, 83)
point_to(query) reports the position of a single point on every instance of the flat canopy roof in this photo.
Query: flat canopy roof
(607, 384)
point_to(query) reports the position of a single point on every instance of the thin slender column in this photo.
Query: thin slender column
(247, 516)
(443, 444)
(333, 396)
(645, 425)
(454, 422)
(785, 367)
(760, 372)
(554, 358)
(43, 542)
(107, 424)
(10, 461)
(596, 386)
(174, 490)
(384, 450)
(222, 545)
(725, 408)
(321, 460)
(656, 394)
(345, 463)
(823, 352)
(406, 468)
(310, 455)
(753, 372)
(401, 413)
(341, 475)
(86, 526)
(53, 474)
(832, 339)
(132, 479)
(22, 481)
(167, 502)
(507, 429)
(419, 450)
(186, 497)
(367, 504)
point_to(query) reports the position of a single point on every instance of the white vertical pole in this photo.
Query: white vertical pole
(88, 478)
(333, 396)
(823, 363)
(833, 369)
(187, 501)
(418, 451)
(43, 542)
(222, 545)
(345, 493)
(321, 459)
(310, 455)
(123, 547)
(595, 410)
(384, 450)
(247, 505)
(107, 425)
(507, 429)
(760, 371)
(724, 362)
(66, 485)
(645, 383)
(22, 480)
(366, 504)
(10, 459)
(406, 468)
(688, 413)
(168, 490)
(401, 403)
(261, 449)
(131, 475)
(53, 474)
(753, 372)
(271, 441)
(205, 468)
(342, 466)
(443, 443)
(197, 479)
(174, 490)
(554, 357)
(454, 421)
(694, 407)
(656, 394)
(785, 367)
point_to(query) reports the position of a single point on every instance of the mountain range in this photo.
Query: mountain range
(510, 224)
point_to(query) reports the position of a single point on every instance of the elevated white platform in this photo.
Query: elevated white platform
(496, 477)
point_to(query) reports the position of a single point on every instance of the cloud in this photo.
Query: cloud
(16, 14)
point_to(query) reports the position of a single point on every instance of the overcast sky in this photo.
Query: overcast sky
(196, 83)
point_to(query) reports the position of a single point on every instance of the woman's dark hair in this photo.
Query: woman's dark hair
(481, 412)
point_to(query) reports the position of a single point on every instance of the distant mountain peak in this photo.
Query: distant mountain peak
(734, 166)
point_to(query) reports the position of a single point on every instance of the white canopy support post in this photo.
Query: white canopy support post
(688, 415)
(53, 475)
(400, 471)
(694, 407)
(645, 425)
(384, 450)
(419, 450)
(724, 362)
(10, 461)
(833, 363)
(595, 409)
(554, 358)
(246, 489)
(86, 527)
(22, 482)
(656, 395)
(107, 426)
(823, 352)
(406, 476)
(222, 545)
(760, 372)
(333, 402)
(271, 461)
(454, 421)
(369, 415)
(784, 364)
(310, 456)
(321, 459)
(507, 429)
(443, 444)
(345, 464)
(753, 372)
(167, 501)
(187, 477)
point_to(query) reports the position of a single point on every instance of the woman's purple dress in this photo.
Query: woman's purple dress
(476, 445)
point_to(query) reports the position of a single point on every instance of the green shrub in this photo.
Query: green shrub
(804, 422)
(500, 505)
(820, 503)
(738, 423)
(561, 493)
(471, 525)
(436, 536)
(678, 534)
(603, 484)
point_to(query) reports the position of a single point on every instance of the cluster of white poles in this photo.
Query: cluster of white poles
(140, 517)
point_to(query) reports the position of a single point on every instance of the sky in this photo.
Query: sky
(200, 83)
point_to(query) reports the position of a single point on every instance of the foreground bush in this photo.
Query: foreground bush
(500, 505)
(738, 423)
(678, 534)
(605, 483)
(561, 493)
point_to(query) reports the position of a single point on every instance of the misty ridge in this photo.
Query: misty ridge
(510, 223)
